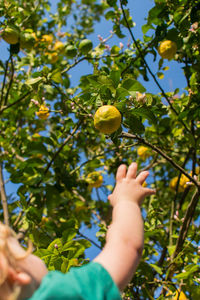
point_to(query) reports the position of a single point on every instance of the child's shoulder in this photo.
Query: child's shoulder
(90, 281)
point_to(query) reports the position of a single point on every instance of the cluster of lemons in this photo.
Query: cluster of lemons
(28, 40)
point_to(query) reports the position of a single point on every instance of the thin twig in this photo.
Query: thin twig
(174, 201)
(16, 102)
(11, 80)
(3, 197)
(4, 82)
(59, 150)
(90, 240)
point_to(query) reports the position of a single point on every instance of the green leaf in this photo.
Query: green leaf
(171, 249)
(156, 268)
(190, 270)
(112, 2)
(135, 124)
(145, 113)
(57, 76)
(115, 76)
(121, 93)
(110, 15)
(133, 85)
(32, 81)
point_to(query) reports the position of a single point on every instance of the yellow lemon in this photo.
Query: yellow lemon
(52, 56)
(143, 152)
(43, 112)
(36, 136)
(95, 179)
(47, 38)
(107, 119)
(180, 296)
(182, 183)
(167, 49)
(10, 35)
(144, 184)
(59, 46)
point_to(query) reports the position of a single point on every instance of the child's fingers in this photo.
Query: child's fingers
(121, 172)
(142, 176)
(149, 192)
(132, 171)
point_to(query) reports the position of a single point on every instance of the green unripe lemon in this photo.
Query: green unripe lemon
(85, 46)
(70, 51)
(27, 40)
(11, 35)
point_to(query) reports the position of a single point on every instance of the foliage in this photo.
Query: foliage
(50, 169)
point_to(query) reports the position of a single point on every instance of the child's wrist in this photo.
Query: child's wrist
(128, 202)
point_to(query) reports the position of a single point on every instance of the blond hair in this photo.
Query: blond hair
(8, 258)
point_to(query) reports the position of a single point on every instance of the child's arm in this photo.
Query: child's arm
(124, 240)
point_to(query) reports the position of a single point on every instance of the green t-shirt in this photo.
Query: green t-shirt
(89, 282)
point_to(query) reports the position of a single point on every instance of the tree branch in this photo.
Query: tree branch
(158, 150)
(183, 231)
(3, 197)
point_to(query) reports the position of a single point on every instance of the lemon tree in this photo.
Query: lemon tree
(75, 101)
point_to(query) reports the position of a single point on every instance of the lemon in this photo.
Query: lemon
(182, 183)
(95, 179)
(27, 40)
(59, 46)
(10, 35)
(167, 49)
(180, 296)
(71, 51)
(107, 119)
(144, 184)
(47, 38)
(143, 152)
(52, 56)
(85, 46)
(35, 137)
(43, 112)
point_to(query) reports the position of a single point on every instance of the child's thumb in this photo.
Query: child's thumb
(149, 192)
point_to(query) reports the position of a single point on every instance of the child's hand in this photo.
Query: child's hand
(129, 185)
